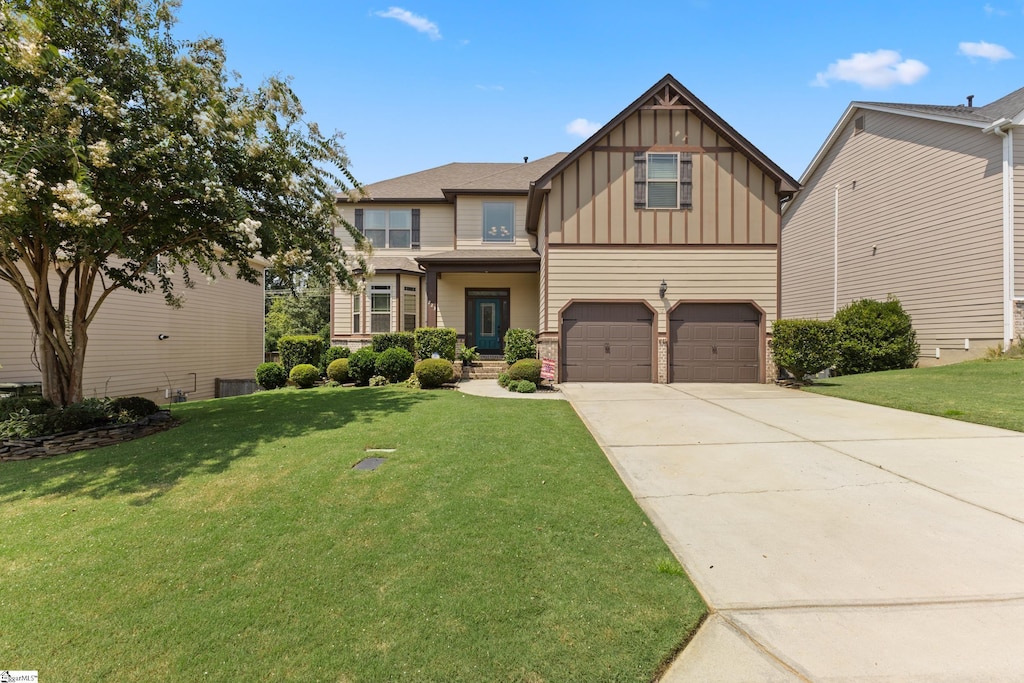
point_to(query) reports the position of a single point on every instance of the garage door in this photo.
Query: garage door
(607, 343)
(715, 343)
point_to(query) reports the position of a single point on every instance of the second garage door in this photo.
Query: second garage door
(715, 343)
(607, 342)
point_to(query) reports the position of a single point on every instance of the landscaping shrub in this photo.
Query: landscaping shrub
(439, 340)
(396, 364)
(298, 349)
(520, 344)
(304, 375)
(21, 424)
(332, 354)
(523, 386)
(362, 365)
(35, 405)
(379, 381)
(337, 371)
(873, 336)
(90, 412)
(271, 375)
(527, 368)
(131, 408)
(503, 380)
(391, 340)
(804, 347)
(433, 372)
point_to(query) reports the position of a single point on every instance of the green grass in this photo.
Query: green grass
(495, 544)
(989, 392)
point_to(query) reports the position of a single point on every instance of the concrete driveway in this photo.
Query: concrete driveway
(833, 540)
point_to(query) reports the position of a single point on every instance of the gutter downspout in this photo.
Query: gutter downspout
(1002, 128)
(835, 252)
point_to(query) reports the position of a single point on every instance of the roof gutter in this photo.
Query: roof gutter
(1004, 129)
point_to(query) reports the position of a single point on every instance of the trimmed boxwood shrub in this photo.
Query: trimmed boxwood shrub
(396, 364)
(300, 349)
(522, 386)
(874, 336)
(503, 380)
(133, 407)
(433, 372)
(391, 340)
(520, 344)
(362, 365)
(332, 354)
(527, 368)
(271, 375)
(804, 347)
(439, 340)
(304, 375)
(337, 371)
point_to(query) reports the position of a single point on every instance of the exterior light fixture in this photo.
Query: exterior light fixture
(662, 289)
(162, 337)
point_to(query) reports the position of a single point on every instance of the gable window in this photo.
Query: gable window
(380, 308)
(499, 222)
(663, 180)
(387, 228)
(409, 309)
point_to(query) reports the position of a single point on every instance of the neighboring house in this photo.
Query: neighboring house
(647, 254)
(140, 346)
(921, 202)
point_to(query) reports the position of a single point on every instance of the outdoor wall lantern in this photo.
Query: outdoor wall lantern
(662, 289)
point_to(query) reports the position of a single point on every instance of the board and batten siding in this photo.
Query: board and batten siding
(694, 274)
(734, 200)
(919, 217)
(218, 333)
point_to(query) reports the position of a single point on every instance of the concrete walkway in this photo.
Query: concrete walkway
(491, 389)
(833, 540)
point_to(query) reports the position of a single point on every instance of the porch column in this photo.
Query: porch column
(431, 297)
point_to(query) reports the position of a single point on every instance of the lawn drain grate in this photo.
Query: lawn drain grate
(369, 463)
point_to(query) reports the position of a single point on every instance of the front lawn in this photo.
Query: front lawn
(989, 392)
(496, 543)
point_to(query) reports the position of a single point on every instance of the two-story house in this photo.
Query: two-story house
(647, 254)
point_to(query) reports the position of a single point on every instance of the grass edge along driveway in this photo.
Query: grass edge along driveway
(496, 543)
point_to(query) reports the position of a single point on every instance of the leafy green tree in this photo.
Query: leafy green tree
(123, 150)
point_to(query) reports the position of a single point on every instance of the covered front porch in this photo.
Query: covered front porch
(482, 293)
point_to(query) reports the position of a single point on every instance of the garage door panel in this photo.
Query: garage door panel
(607, 343)
(715, 343)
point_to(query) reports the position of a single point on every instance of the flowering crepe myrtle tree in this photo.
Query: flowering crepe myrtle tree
(127, 156)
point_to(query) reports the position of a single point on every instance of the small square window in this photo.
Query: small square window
(499, 222)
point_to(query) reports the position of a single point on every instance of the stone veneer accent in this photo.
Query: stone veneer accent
(547, 347)
(96, 437)
(662, 359)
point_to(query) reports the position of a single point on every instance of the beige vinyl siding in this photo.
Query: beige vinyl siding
(343, 302)
(437, 227)
(920, 217)
(1018, 212)
(592, 201)
(217, 333)
(469, 215)
(704, 274)
(451, 297)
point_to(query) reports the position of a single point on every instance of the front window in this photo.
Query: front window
(388, 228)
(499, 222)
(409, 309)
(357, 310)
(380, 309)
(662, 181)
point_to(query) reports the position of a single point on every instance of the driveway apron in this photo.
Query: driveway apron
(833, 540)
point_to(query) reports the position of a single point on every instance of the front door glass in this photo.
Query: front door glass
(488, 325)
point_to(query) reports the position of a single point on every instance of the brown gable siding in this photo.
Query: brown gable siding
(919, 217)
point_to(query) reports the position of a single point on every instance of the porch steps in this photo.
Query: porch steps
(484, 369)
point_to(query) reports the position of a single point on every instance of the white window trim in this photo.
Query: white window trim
(387, 227)
(382, 289)
(675, 181)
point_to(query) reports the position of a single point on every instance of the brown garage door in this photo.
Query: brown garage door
(607, 343)
(715, 343)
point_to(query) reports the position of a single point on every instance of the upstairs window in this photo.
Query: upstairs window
(499, 222)
(388, 228)
(663, 180)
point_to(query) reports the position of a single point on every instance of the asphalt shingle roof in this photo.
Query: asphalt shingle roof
(1005, 107)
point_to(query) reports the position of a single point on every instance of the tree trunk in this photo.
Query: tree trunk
(62, 381)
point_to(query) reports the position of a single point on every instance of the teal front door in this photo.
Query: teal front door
(487, 331)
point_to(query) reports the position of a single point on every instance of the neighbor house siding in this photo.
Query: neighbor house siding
(592, 200)
(919, 217)
(451, 297)
(1018, 211)
(218, 333)
(692, 274)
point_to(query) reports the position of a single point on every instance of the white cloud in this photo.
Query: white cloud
(989, 51)
(994, 11)
(494, 88)
(582, 128)
(421, 24)
(878, 69)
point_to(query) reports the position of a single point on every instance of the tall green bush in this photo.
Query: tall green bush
(390, 340)
(439, 340)
(520, 344)
(362, 365)
(396, 364)
(299, 349)
(804, 347)
(874, 336)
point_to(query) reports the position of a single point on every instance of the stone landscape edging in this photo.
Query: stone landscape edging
(94, 437)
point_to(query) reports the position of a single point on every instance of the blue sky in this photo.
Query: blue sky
(419, 84)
